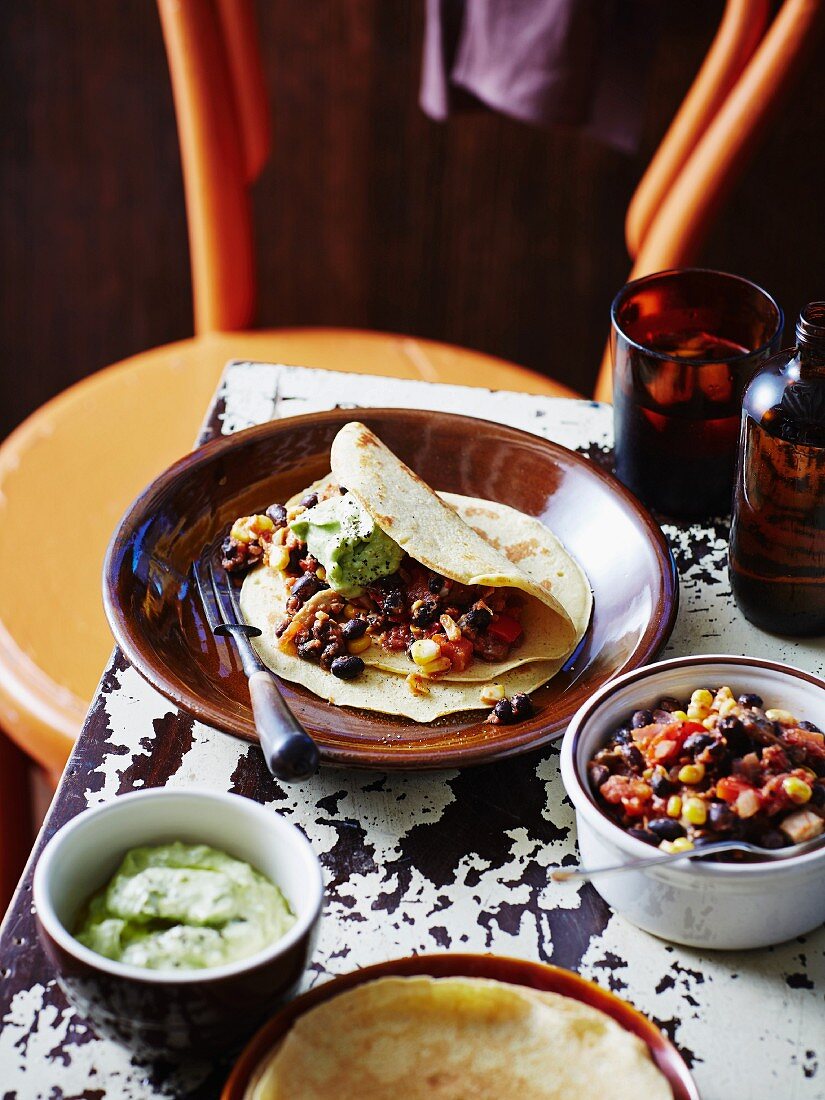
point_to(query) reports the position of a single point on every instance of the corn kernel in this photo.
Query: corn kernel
(727, 707)
(701, 698)
(695, 811)
(692, 773)
(647, 773)
(417, 684)
(492, 694)
(697, 713)
(360, 645)
(278, 557)
(722, 695)
(674, 806)
(796, 789)
(321, 573)
(425, 650)
(451, 628)
(783, 716)
(710, 723)
(434, 668)
(680, 844)
(679, 715)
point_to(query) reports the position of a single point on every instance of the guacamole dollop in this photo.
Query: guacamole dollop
(348, 543)
(183, 907)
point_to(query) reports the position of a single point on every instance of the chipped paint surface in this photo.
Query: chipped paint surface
(436, 861)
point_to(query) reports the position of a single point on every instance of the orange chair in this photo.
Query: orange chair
(69, 471)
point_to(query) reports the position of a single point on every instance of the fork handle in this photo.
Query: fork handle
(289, 751)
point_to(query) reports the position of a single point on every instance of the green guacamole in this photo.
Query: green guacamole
(348, 542)
(183, 907)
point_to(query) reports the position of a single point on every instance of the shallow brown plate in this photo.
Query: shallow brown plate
(158, 623)
(549, 979)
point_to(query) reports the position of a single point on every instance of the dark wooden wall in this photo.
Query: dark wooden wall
(482, 231)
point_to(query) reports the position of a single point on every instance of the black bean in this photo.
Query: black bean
(734, 733)
(633, 757)
(717, 754)
(342, 489)
(810, 727)
(749, 699)
(503, 711)
(599, 774)
(668, 703)
(310, 650)
(666, 828)
(772, 838)
(310, 500)
(521, 705)
(641, 718)
(424, 613)
(643, 834)
(703, 841)
(434, 583)
(697, 742)
(662, 716)
(347, 668)
(661, 785)
(622, 736)
(277, 513)
(817, 794)
(331, 653)
(307, 586)
(478, 618)
(721, 816)
(354, 628)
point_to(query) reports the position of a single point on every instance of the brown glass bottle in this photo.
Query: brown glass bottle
(777, 538)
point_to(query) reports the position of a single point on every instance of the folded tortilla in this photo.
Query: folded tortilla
(427, 1038)
(473, 541)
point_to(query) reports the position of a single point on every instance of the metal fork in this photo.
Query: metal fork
(289, 751)
(768, 854)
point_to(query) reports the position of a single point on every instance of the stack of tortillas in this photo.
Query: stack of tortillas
(420, 1037)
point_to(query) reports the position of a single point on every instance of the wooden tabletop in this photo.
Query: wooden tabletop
(429, 862)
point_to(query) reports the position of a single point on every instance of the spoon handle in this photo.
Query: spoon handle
(584, 873)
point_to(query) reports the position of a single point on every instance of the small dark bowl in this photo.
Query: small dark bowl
(534, 975)
(158, 622)
(175, 1011)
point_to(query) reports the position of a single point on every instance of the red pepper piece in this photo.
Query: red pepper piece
(506, 628)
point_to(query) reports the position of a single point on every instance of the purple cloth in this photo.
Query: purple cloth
(580, 63)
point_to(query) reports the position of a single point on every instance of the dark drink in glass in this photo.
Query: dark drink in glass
(685, 344)
(777, 538)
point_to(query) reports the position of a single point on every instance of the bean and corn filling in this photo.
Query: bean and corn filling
(441, 624)
(717, 767)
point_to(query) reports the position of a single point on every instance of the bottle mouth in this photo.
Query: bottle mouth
(810, 328)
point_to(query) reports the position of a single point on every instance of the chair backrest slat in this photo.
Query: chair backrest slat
(215, 170)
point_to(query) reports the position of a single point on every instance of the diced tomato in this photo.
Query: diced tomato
(665, 746)
(506, 627)
(730, 787)
(459, 652)
(810, 740)
(634, 794)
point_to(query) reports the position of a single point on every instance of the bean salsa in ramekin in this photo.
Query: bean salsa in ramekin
(687, 773)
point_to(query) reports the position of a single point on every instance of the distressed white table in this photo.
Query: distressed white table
(436, 861)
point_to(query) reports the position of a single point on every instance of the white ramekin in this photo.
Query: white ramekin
(706, 905)
(176, 1009)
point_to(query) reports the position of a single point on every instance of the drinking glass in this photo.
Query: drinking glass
(685, 343)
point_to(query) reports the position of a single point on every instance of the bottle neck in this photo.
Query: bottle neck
(810, 342)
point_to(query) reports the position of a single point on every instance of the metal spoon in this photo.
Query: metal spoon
(768, 854)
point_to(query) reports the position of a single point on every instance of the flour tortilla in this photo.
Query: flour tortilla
(450, 1038)
(483, 542)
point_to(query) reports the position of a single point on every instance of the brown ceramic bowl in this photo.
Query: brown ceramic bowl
(158, 622)
(175, 1010)
(549, 979)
